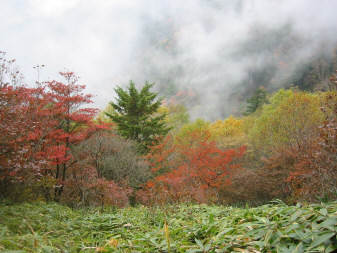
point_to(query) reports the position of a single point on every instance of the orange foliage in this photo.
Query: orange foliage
(197, 172)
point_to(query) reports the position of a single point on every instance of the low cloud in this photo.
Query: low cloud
(215, 50)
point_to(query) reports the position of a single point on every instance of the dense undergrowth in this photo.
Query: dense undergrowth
(275, 227)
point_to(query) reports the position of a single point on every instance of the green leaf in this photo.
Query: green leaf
(323, 211)
(200, 244)
(207, 247)
(282, 249)
(299, 248)
(268, 236)
(154, 242)
(300, 233)
(331, 248)
(296, 215)
(49, 249)
(225, 231)
(211, 218)
(329, 223)
(193, 251)
(13, 251)
(321, 239)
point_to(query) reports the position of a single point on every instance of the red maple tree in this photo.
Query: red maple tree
(194, 173)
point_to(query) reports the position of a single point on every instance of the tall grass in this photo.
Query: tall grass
(185, 228)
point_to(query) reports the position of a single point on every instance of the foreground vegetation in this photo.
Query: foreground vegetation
(276, 227)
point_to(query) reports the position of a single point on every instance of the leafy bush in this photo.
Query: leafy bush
(197, 172)
(291, 118)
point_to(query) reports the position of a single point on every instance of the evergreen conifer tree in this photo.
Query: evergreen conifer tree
(135, 113)
(255, 101)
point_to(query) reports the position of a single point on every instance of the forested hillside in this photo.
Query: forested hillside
(140, 150)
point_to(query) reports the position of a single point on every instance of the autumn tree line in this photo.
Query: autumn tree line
(139, 150)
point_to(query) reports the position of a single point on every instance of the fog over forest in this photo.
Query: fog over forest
(212, 53)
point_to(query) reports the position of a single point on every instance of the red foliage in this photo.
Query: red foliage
(159, 156)
(196, 173)
(68, 124)
(39, 127)
(20, 131)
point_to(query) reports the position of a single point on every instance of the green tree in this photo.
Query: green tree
(291, 118)
(257, 100)
(177, 116)
(135, 113)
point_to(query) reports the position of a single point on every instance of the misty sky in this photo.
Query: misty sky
(208, 47)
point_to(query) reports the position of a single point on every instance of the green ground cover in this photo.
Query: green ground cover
(40, 227)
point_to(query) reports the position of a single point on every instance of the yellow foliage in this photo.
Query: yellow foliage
(176, 116)
(228, 133)
(103, 117)
(188, 132)
(113, 242)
